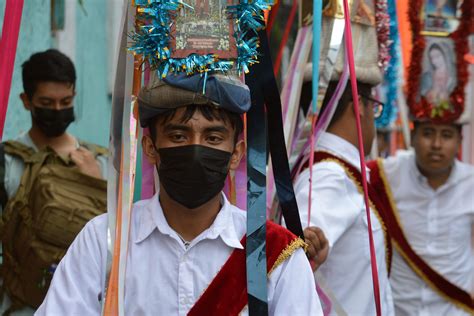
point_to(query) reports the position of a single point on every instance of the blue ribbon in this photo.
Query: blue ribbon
(391, 79)
(317, 13)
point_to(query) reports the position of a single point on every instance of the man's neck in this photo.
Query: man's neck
(62, 144)
(189, 223)
(436, 180)
(344, 133)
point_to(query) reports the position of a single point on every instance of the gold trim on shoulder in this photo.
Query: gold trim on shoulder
(288, 251)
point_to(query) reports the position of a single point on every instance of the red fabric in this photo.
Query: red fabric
(450, 290)
(284, 39)
(227, 293)
(8, 45)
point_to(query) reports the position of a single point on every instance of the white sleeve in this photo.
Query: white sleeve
(334, 200)
(291, 288)
(103, 164)
(77, 283)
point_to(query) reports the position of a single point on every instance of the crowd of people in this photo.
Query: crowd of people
(186, 253)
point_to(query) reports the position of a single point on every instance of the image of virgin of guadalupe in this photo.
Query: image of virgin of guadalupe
(439, 72)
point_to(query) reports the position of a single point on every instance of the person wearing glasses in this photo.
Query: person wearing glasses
(338, 209)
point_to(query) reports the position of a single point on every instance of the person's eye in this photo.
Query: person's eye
(66, 103)
(46, 104)
(214, 139)
(177, 138)
(427, 133)
(447, 135)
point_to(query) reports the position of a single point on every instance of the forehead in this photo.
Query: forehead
(54, 90)
(196, 121)
(438, 127)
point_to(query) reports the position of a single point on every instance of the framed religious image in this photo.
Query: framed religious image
(204, 29)
(439, 17)
(438, 78)
(364, 10)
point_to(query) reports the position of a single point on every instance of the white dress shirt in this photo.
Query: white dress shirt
(438, 225)
(338, 209)
(165, 278)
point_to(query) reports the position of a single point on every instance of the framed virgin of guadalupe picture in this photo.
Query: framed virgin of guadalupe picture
(438, 78)
(204, 29)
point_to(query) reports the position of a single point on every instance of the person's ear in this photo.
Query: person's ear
(149, 150)
(237, 155)
(363, 108)
(26, 101)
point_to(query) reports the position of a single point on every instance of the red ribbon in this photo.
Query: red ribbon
(284, 39)
(8, 45)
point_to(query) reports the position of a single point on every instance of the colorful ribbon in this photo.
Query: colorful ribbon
(284, 39)
(122, 163)
(355, 98)
(317, 14)
(391, 80)
(8, 46)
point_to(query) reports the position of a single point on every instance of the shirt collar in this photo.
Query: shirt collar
(340, 147)
(153, 218)
(454, 177)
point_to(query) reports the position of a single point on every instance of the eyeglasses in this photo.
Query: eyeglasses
(377, 105)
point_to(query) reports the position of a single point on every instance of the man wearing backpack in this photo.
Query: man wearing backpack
(51, 183)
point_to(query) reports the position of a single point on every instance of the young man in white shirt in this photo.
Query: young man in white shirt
(186, 254)
(338, 207)
(431, 194)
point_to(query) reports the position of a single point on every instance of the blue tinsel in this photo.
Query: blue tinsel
(151, 39)
(389, 113)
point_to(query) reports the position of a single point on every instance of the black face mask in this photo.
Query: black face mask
(192, 175)
(52, 123)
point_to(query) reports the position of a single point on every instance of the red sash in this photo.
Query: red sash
(379, 208)
(227, 293)
(436, 281)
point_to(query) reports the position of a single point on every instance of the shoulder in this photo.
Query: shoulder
(97, 227)
(96, 149)
(399, 162)
(328, 173)
(281, 245)
(278, 233)
(465, 173)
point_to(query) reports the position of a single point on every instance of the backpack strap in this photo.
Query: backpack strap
(19, 150)
(3, 190)
(95, 149)
(13, 148)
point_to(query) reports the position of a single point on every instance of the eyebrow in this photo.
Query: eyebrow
(52, 99)
(176, 127)
(219, 129)
(185, 128)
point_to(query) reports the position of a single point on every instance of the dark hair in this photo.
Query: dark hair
(346, 98)
(50, 65)
(210, 112)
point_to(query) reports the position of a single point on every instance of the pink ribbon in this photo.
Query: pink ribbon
(355, 98)
(8, 45)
